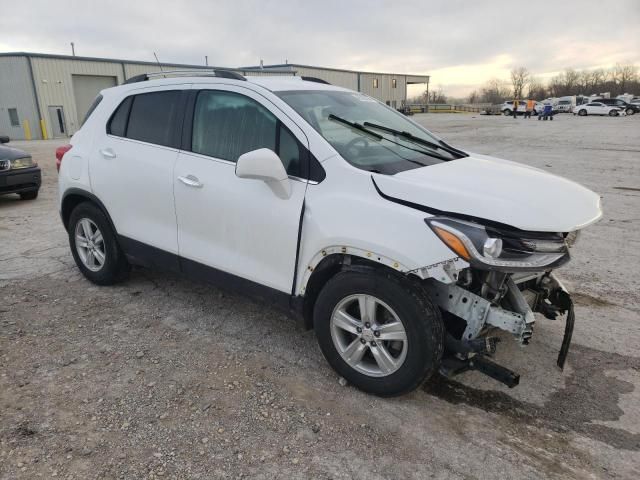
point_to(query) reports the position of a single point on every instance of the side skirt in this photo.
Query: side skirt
(139, 253)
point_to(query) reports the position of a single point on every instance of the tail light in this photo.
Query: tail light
(60, 151)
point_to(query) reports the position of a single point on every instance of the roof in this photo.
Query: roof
(115, 60)
(299, 65)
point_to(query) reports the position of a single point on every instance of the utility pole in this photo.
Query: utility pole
(206, 60)
(73, 49)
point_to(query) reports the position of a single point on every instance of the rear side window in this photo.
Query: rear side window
(118, 123)
(148, 117)
(227, 125)
(93, 106)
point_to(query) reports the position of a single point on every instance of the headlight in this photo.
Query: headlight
(24, 162)
(489, 248)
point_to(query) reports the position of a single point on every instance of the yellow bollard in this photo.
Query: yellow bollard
(27, 130)
(43, 127)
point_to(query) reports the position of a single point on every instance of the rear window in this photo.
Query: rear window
(148, 117)
(93, 106)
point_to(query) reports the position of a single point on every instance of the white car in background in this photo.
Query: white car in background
(596, 108)
(402, 252)
(507, 107)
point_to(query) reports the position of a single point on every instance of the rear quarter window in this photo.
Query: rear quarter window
(92, 107)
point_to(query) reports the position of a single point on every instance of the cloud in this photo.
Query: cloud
(460, 43)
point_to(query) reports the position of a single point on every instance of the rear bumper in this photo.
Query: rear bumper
(18, 181)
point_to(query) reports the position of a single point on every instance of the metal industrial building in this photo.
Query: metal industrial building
(47, 96)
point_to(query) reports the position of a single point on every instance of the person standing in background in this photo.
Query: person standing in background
(515, 108)
(530, 105)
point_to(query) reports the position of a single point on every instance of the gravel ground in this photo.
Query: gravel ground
(161, 377)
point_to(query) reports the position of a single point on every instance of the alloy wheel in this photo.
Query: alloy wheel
(369, 335)
(90, 244)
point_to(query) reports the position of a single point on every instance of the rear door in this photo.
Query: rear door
(239, 226)
(132, 166)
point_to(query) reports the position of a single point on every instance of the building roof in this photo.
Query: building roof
(299, 65)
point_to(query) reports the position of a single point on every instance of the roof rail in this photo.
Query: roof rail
(231, 73)
(218, 72)
(315, 79)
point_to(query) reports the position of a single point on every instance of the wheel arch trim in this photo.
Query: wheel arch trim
(78, 192)
(344, 251)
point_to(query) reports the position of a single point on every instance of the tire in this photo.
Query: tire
(114, 267)
(32, 195)
(507, 112)
(582, 112)
(396, 299)
(613, 113)
(630, 111)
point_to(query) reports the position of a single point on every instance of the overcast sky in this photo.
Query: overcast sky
(460, 44)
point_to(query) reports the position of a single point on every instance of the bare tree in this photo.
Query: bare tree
(623, 75)
(437, 95)
(494, 91)
(519, 79)
(536, 89)
(474, 97)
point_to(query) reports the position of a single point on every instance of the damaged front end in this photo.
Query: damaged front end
(508, 278)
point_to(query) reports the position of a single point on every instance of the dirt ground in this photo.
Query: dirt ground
(161, 377)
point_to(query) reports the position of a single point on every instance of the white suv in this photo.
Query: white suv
(401, 251)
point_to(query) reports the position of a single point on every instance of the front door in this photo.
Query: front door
(57, 124)
(239, 226)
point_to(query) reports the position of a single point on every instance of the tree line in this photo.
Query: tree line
(616, 80)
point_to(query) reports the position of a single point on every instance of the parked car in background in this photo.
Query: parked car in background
(622, 105)
(19, 173)
(596, 108)
(507, 107)
(563, 106)
(403, 252)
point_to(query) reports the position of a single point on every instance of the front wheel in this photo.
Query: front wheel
(507, 112)
(613, 113)
(582, 112)
(630, 111)
(380, 331)
(32, 195)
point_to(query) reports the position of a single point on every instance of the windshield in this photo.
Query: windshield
(350, 122)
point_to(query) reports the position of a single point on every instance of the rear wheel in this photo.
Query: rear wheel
(582, 112)
(379, 331)
(32, 195)
(507, 112)
(630, 111)
(94, 246)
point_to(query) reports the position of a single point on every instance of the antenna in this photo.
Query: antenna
(158, 61)
(206, 60)
(73, 49)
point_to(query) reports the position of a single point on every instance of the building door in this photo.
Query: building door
(57, 125)
(85, 89)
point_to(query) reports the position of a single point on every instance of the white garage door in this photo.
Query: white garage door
(86, 88)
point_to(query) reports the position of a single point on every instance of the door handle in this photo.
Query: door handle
(191, 181)
(108, 153)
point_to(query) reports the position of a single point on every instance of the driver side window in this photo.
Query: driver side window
(227, 125)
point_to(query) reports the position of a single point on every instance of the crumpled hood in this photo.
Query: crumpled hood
(499, 190)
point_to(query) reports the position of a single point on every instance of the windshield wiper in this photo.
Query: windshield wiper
(362, 129)
(414, 139)
(355, 125)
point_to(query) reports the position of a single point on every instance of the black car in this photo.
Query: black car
(19, 173)
(628, 108)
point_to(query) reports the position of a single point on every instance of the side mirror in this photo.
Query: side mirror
(263, 164)
(4, 139)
